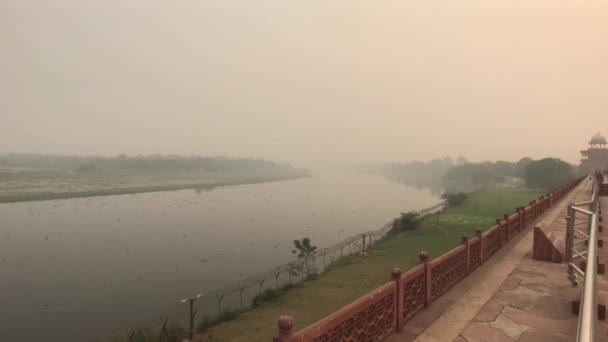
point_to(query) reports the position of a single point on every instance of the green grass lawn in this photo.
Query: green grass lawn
(313, 300)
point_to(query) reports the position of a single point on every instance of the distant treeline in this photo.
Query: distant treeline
(153, 164)
(421, 173)
(487, 172)
(545, 173)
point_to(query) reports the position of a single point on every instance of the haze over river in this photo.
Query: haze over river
(73, 269)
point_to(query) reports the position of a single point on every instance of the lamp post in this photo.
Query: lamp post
(437, 225)
(192, 312)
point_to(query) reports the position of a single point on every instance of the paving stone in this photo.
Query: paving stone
(566, 291)
(533, 320)
(509, 327)
(529, 274)
(553, 307)
(476, 332)
(489, 312)
(520, 298)
(402, 336)
(511, 283)
(533, 335)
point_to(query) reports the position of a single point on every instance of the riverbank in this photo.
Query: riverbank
(341, 285)
(53, 188)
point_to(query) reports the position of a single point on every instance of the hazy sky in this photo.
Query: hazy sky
(304, 81)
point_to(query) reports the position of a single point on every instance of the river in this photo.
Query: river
(73, 269)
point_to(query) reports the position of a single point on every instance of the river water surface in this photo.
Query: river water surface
(73, 269)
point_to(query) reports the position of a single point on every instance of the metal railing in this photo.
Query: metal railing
(575, 237)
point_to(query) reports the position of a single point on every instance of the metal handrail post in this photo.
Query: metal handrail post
(570, 243)
(588, 304)
(588, 307)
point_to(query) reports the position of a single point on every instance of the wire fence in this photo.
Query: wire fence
(238, 296)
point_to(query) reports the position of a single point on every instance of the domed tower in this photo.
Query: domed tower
(598, 141)
(595, 158)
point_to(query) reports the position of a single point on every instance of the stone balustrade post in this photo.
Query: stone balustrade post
(499, 224)
(285, 325)
(508, 225)
(479, 234)
(424, 259)
(532, 204)
(396, 277)
(467, 257)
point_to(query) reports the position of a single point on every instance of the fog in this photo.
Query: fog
(304, 81)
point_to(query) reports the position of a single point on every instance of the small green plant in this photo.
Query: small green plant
(410, 220)
(143, 335)
(176, 332)
(311, 277)
(268, 295)
(342, 261)
(207, 322)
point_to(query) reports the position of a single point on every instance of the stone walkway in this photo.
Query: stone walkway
(511, 297)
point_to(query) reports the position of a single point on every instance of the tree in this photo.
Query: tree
(521, 166)
(304, 247)
(548, 173)
(306, 251)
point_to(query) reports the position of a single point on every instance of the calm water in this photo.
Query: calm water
(72, 269)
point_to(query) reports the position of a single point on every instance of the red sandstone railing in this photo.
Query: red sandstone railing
(475, 250)
(383, 311)
(490, 242)
(412, 292)
(374, 314)
(445, 271)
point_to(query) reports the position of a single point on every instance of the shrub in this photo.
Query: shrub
(207, 322)
(456, 199)
(268, 295)
(143, 335)
(176, 332)
(410, 220)
(342, 261)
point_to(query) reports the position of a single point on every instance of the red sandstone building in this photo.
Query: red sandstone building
(595, 158)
